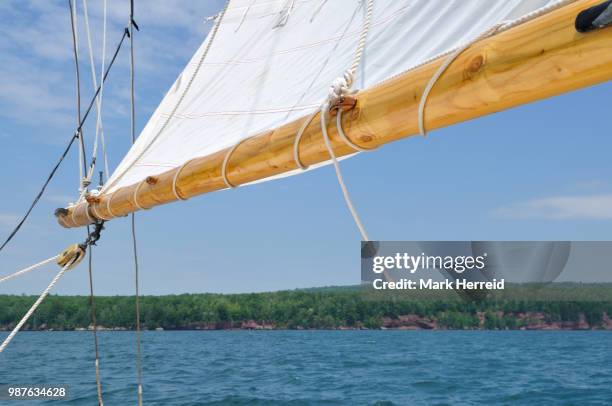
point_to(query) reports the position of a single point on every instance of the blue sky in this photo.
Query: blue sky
(541, 171)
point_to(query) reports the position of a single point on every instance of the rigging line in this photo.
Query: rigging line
(102, 88)
(345, 193)
(207, 48)
(137, 293)
(75, 48)
(133, 216)
(82, 170)
(63, 156)
(340, 88)
(34, 306)
(110, 65)
(40, 193)
(28, 269)
(92, 304)
(99, 127)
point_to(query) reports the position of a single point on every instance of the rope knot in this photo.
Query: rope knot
(341, 87)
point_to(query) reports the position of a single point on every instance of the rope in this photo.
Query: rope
(443, 67)
(133, 216)
(174, 189)
(340, 88)
(453, 54)
(298, 138)
(342, 135)
(28, 269)
(212, 36)
(34, 307)
(40, 193)
(75, 49)
(75, 135)
(137, 293)
(362, 38)
(99, 128)
(135, 196)
(345, 192)
(229, 153)
(94, 324)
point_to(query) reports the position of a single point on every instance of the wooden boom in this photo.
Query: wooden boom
(532, 61)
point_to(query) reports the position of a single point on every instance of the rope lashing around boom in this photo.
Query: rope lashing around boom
(68, 259)
(443, 67)
(208, 46)
(339, 90)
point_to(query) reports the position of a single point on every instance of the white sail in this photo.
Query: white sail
(272, 61)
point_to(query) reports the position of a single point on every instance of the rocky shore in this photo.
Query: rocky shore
(524, 321)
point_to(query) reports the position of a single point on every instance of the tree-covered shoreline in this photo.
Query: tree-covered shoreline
(328, 308)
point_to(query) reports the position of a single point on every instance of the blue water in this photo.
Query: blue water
(321, 367)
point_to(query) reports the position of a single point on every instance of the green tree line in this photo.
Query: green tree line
(320, 309)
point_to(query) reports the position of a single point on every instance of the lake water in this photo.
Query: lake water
(321, 367)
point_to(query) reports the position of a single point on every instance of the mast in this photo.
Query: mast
(532, 61)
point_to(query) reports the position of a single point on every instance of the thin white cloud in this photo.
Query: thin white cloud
(37, 73)
(592, 207)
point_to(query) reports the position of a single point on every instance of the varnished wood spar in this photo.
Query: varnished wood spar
(533, 61)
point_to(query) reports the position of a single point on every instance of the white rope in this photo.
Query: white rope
(34, 307)
(229, 184)
(99, 126)
(345, 193)
(298, 138)
(73, 14)
(362, 38)
(135, 196)
(212, 36)
(443, 67)
(342, 87)
(28, 269)
(108, 204)
(174, 180)
(106, 169)
(342, 135)
(453, 54)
